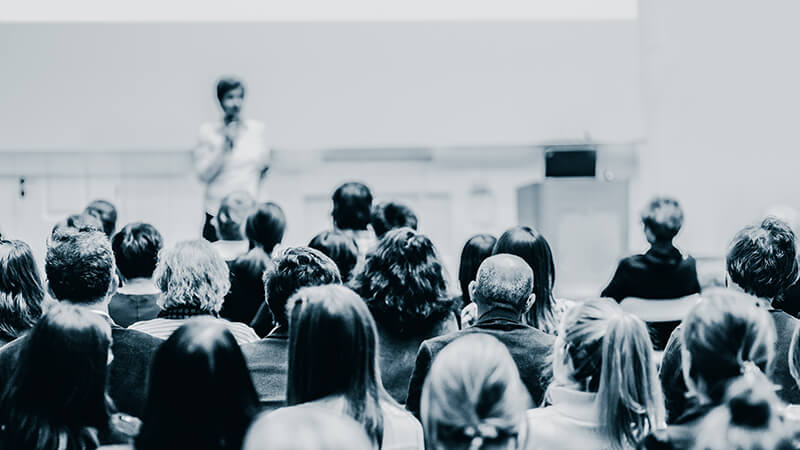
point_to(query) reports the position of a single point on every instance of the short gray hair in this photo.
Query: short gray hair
(193, 274)
(504, 279)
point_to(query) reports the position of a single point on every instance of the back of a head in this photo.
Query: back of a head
(296, 268)
(79, 265)
(762, 259)
(608, 351)
(504, 280)
(722, 334)
(136, 248)
(663, 216)
(265, 226)
(333, 351)
(352, 206)
(473, 396)
(476, 249)
(106, 213)
(391, 215)
(340, 247)
(306, 428)
(21, 291)
(232, 214)
(403, 283)
(77, 222)
(59, 383)
(192, 274)
(200, 391)
(531, 246)
(748, 419)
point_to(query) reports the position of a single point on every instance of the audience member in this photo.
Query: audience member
(104, 211)
(264, 229)
(724, 335)
(605, 391)
(306, 428)
(473, 398)
(531, 246)
(388, 216)
(267, 359)
(56, 396)
(80, 270)
(193, 280)
(476, 249)
(333, 363)
(339, 247)
(230, 223)
(21, 291)
(761, 262)
(502, 293)
(79, 222)
(403, 283)
(136, 248)
(200, 395)
(352, 209)
(749, 418)
(789, 300)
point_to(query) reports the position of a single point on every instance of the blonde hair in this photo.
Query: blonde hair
(611, 354)
(473, 396)
(192, 274)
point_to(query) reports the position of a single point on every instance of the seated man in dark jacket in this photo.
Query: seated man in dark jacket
(80, 270)
(502, 292)
(761, 262)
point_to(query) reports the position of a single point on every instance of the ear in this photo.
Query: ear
(529, 303)
(50, 290)
(473, 288)
(112, 286)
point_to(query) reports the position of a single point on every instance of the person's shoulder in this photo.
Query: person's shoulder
(126, 337)
(153, 328)
(264, 348)
(255, 125)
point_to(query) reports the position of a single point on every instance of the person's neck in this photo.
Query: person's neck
(230, 119)
(138, 286)
(662, 245)
(100, 306)
(484, 309)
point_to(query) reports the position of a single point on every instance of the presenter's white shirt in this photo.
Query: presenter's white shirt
(241, 167)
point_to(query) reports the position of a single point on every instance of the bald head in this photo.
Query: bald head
(503, 279)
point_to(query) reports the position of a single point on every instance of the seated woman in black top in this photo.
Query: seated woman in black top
(663, 272)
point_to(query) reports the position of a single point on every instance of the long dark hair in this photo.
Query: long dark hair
(476, 249)
(333, 350)
(21, 291)
(403, 283)
(531, 246)
(57, 393)
(200, 392)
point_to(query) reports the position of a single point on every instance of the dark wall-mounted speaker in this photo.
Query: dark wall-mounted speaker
(570, 162)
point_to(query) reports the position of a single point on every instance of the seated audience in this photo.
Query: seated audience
(403, 283)
(200, 395)
(749, 418)
(80, 270)
(605, 391)
(333, 364)
(136, 248)
(531, 246)
(106, 213)
(388, 216)
(761, 262)
(193, 280)
(476, 249)
(55, 398)
(306, 428)
(502, 293)
(264, 229)
(352, 209)
(267, 359)
(21, 291)
(473, 398)
(339, 247)
(230, 221)
(725, 335)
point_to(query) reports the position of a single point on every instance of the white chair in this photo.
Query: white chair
(662, 310)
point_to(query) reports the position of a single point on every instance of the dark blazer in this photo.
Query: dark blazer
(529, 347)
(674, 386)
(127, 375)
(268, 362)
(658, 274)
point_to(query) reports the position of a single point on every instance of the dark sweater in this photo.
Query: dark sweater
(268, 362)
(661, 273)
(127, 309)
(529, 347)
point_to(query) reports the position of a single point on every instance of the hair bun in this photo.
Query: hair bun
(749, 412)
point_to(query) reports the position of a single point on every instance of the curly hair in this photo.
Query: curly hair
(21, 291)
(762, 259)
(192, 273)
(403, 283)
(79, 265)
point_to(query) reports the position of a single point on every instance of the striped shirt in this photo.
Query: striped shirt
(163, 328)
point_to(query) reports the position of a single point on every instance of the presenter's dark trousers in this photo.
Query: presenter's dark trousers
(209, 231)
